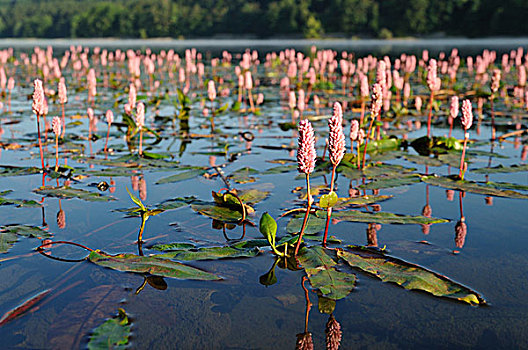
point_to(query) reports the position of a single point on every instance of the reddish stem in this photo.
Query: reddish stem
(306, 215)
(461, 174)
(430, 114)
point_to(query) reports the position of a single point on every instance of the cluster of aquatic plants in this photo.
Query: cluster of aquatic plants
(160, 98)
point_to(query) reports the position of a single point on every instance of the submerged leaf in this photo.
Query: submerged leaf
(408, 275)
(148, 264)
(323, 276)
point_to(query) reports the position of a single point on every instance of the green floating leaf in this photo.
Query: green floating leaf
(69, 192)
(185, 175)
(25, 231)
(423, 160)
(470, 186)
(364, 200)
(313, 225)
(149, 264)
(390, 181)
(176, 203)
(112, 334)
(501, 169)
(20, 203)
(253, 195)
(382, 145)
(7, 170)
(209, 253)
(380, 217)
(328, 200)
(480, 153)
(506, 185)
(280, 169)
(7, 241)
(243, 175)
(408, 275)
(172, 246)
(218, 213)
(323, 276)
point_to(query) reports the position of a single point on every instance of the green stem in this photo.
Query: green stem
(144, 218)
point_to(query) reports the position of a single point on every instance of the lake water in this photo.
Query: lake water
(240, 312)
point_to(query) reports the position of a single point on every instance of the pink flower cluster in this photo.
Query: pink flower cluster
(306, 151)
(336, 136)
(38, 97)
(467, 114)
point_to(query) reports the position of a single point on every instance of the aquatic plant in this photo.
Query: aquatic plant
(56, 125)
(306, 164)
(466, 121)
(38, 109)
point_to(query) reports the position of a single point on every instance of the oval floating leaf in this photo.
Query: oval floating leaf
(209, 253)
(320, 269)
(68, 192)
(148, 264)
(380, 217)
(408, 275)
(470, 186)
(186, 175)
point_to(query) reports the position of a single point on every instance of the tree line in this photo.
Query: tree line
(260, 18)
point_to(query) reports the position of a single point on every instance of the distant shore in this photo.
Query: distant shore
(213, 42)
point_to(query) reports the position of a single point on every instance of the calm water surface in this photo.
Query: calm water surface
(239, 312)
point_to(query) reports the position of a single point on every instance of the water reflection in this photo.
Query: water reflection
(460, 227)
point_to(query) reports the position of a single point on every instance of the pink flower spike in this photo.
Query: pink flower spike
(211, 90)
(306, 150)
(38, 97)
(453, 108)
(495, 80)
(56, 125)
(467, 114)
(377, 99)
(248, 80)
(90, 113)
(336, 135)
(63, 93)
(354, 130)
(432, 82)
(109, 117)
(140, 115)
(132, 97)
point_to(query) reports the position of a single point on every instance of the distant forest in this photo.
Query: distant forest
(261, 18)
